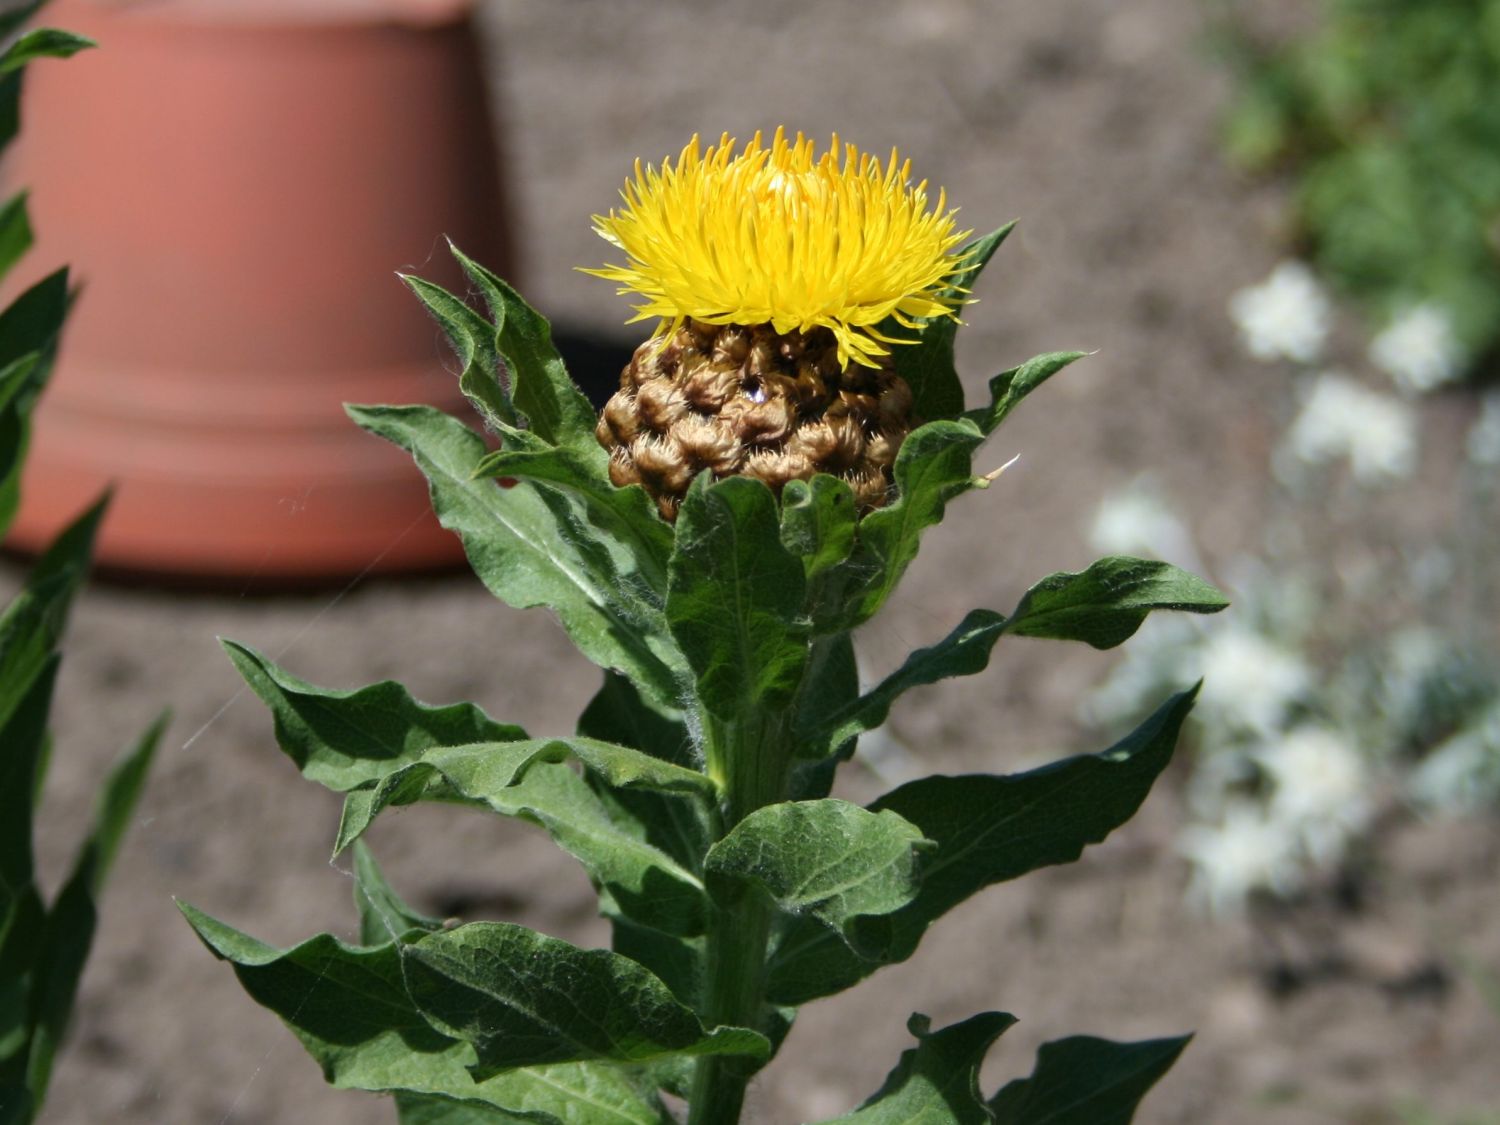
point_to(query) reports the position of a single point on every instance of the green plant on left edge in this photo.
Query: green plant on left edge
(43, 945)
(750, 496)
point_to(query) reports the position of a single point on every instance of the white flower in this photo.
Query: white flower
(1414, 656)
(1419, 349)
(1340, 419)
(1159, 658)
(1244, 852)
(1483, 446)
(1461, 774)
(1222, 772)
(1285, 315)
(1135, 521)
(1249, 681)
(1321, 794)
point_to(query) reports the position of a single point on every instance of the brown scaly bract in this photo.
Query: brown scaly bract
(752, 402)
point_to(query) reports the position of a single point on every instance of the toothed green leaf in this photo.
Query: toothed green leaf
(352, 1011)
(348, 739)
(987, 829)
(1009, 387)
(1103, 606)
(42, 43)
(473, 340)
(937, 1081)
(533, 546)
(928, 365)
(735, 596)
(1086, 1081)
(523, 999)
(529, 780)
(555, 408)
(826, 859)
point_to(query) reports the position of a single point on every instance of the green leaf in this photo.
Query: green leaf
(817, 522)
(69, 928)
(42, 43)
(1105, 604)
(827, 860)
(16, 1105)
(348, 739)
(628, 515)
(474, 340)
(15, 234)
(383, 916)
(572, 1081)
(622, 767)
(830, 686)
(68, 557)
(481, 771)
(10, 125)
(12, 19)
(524, 780)
(618, 714)
(28, 341)
(23, 737)
(15, 435)
(679, 961)
(566, 1094)
(1009, 387)
(735, 597)
(530, 548)
(15, 407)
(928, 366)
(415, 1109)
(29, 629)
(16, 379)
(32, 625)
(29, 326)
(963, 652)
(33, 320)
(116, 802)
(934, 466)
(22, 918)
(987, 829)
(63, 948)
(23, 750)
(351, 1010)
(1086, 1081)
(540, 387)
(524, 999)
(937, 1081)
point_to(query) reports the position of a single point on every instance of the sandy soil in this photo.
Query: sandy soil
(1092, 122)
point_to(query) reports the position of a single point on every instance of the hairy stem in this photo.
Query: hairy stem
(750, 757)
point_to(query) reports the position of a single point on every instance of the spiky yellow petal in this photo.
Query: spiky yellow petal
(782, 236)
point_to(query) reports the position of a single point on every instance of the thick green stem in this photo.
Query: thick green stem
(736, 996)
(750, 758)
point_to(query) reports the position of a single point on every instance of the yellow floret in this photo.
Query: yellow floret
(779, 235)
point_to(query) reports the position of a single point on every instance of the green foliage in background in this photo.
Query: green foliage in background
(43, 944)
(695, 789)
(1387, 118)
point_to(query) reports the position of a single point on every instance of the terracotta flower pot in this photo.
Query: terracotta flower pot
(235, 184)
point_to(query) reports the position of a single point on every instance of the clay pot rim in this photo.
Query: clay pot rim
(309, 14)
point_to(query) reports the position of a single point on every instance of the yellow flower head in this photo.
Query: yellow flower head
(779, 235)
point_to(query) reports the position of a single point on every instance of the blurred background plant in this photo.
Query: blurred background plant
(42, 945)
(1359, 678)
(1386, 117)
